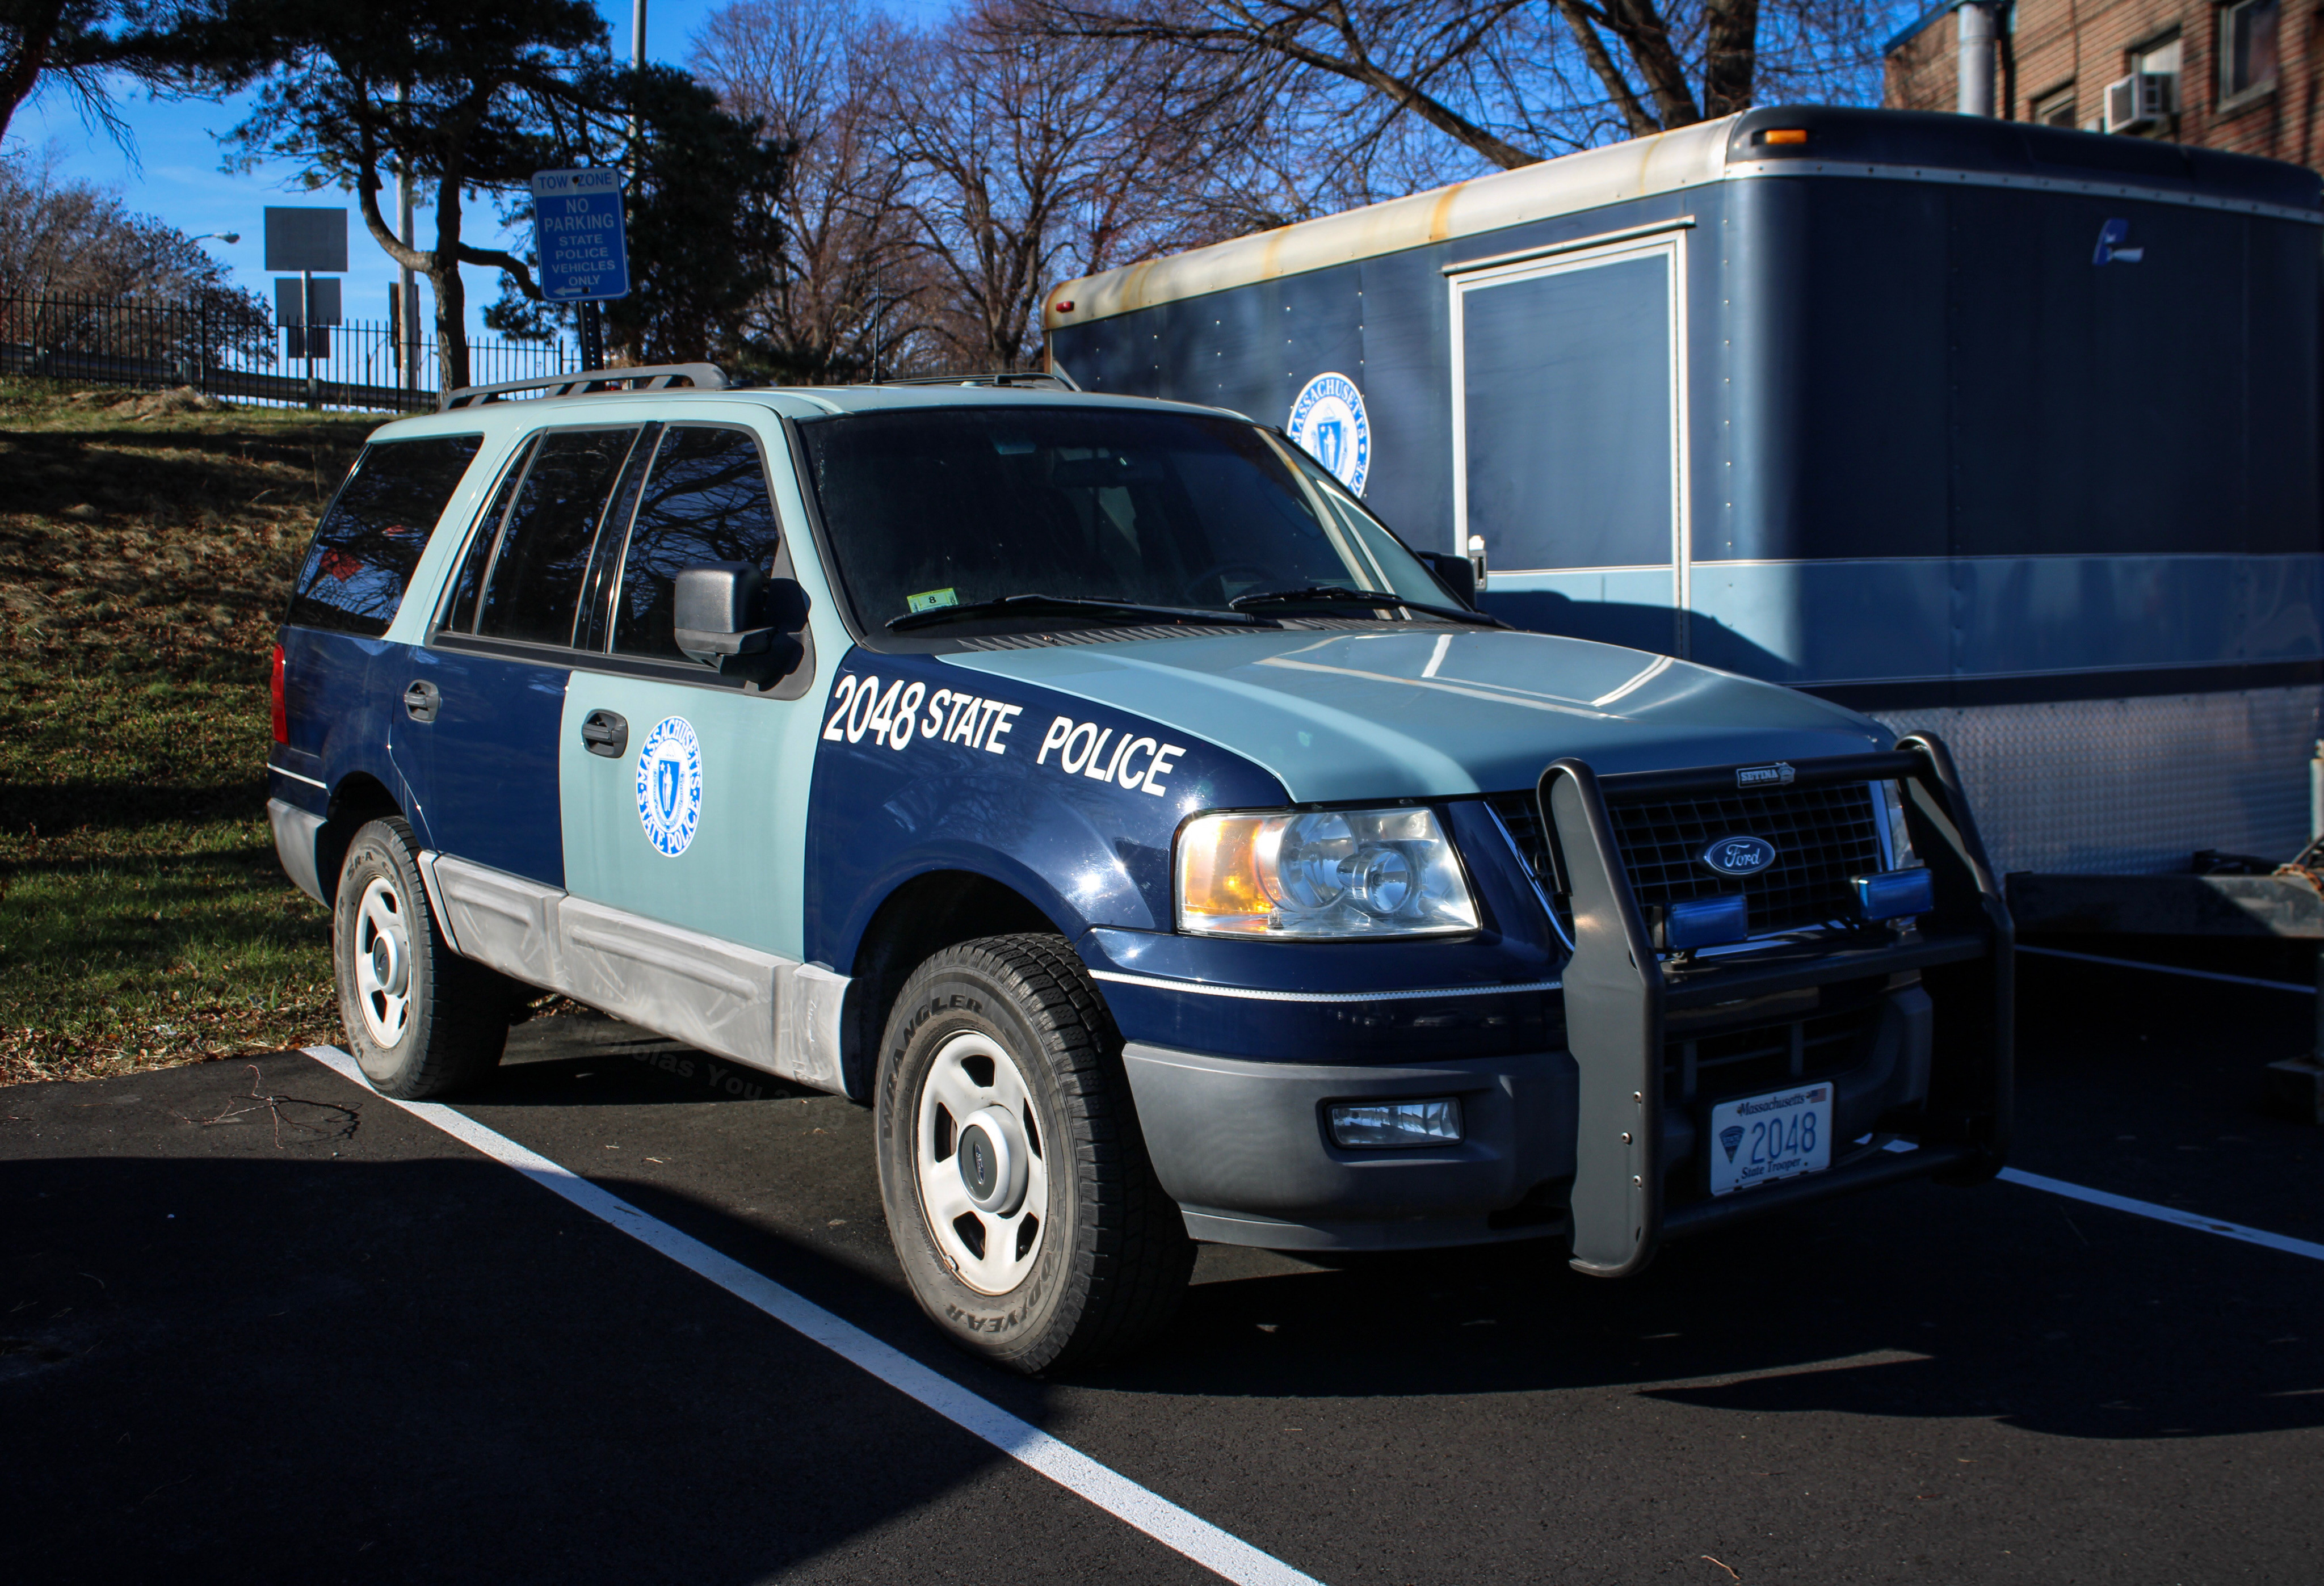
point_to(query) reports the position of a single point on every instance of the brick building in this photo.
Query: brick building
(2241, 75)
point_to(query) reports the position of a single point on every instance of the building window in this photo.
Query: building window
(2162, 58)
(2056, 108)
(2247, 48)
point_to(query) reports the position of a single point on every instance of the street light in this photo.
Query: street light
(228, 237)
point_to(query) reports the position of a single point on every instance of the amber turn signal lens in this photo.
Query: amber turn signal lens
(1785, 134)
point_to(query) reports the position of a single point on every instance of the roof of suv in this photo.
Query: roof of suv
(804, 401)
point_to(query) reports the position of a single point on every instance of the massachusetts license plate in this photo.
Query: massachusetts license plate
(1762, 1139)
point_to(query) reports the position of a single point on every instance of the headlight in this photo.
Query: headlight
(1323, 873)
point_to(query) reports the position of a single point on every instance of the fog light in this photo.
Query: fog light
(1894, 893)
(1380, 1125)
(1704, 922)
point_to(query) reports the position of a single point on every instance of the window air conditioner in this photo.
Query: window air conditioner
(2141, 99)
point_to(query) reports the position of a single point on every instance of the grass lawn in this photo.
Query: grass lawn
(145, 559)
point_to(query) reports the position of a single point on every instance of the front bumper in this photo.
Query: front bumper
(1599, 1141)
(1243, 1146)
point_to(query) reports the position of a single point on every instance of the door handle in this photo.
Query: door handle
(421, 700)
(605, 734)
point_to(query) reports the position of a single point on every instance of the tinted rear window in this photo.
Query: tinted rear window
(371, 538)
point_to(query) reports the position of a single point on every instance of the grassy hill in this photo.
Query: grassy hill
(146, 550)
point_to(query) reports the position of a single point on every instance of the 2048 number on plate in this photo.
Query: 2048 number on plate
(1759, 1139)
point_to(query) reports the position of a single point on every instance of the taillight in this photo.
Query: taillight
(274, 688)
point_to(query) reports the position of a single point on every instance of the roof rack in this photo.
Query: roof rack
(1060, 379)
(652, 377)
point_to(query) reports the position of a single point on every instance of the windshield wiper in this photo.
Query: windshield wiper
(1010, 605)
(1340, 594)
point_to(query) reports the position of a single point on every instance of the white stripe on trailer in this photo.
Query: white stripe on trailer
(2199, 974)
(1216, 1550)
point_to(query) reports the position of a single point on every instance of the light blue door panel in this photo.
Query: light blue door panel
(738, 873)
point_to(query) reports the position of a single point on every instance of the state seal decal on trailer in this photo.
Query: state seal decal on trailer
(1328, 422)
(670, 785)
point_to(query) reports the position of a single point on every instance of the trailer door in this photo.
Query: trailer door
(1568, 447)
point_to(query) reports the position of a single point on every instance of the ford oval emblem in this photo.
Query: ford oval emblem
(1739, 856)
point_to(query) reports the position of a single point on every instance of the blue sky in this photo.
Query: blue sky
(176, 173)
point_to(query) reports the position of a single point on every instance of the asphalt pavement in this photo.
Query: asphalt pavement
(318, 1338)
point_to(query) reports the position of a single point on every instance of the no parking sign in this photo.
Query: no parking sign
(576, 228)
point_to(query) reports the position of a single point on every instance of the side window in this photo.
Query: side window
(370, 540)
(461, 616)
(705, 501)
(532, 589)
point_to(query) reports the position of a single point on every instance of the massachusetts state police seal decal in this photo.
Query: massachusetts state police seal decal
(670, 785)
(1328, 422)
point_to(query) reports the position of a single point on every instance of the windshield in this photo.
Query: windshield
(934, 508)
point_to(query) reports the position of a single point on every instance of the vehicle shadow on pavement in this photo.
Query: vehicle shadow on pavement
(1996, 1304)
(258, 1362)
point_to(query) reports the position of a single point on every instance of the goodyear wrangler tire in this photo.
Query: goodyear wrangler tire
(420, 1020)
(1017, 1191)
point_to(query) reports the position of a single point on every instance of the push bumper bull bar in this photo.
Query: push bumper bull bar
(1617, 994)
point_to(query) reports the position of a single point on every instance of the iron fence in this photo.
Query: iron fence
(230, 347)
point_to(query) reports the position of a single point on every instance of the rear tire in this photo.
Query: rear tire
(420, 1020)
(1018, 1194)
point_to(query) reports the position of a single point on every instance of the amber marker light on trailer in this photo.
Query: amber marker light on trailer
(1785, 134)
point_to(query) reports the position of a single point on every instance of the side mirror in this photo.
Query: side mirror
(1458, 574)
(725, 610)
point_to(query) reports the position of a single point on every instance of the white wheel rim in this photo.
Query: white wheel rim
(382, 949)
(992, 1246)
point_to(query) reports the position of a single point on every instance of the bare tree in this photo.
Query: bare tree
(847, 295)
(1036, 156)
(1512, 81)
(72, 254)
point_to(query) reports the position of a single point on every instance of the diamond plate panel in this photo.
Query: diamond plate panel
(2132, 787)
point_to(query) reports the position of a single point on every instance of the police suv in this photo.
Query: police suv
(1096, 789)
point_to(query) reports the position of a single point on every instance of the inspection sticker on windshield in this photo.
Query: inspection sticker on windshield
(928, 600)
(1762, 1139)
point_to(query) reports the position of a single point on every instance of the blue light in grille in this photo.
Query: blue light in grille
(1894, 893)
(1705, 922)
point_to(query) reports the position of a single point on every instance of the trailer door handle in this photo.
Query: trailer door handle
(420, 701)
(605, 734)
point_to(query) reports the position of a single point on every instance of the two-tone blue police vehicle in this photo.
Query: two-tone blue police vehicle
(1095, 789)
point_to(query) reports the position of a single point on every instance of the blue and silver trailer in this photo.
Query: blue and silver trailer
(1983, 429)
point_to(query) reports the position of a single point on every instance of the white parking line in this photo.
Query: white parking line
(1215, 1550)
(2201, 1224)
(2198, 975)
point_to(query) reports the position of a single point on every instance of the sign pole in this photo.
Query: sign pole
(593, 336)
(407, 352)
(306, 336)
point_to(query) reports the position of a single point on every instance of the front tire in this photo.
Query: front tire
(1022, 1207)
(420, 1020)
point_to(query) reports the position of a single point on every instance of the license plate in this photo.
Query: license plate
(1759, 1139)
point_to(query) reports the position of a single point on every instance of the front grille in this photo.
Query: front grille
(1822, 837)
(1764, 1056)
